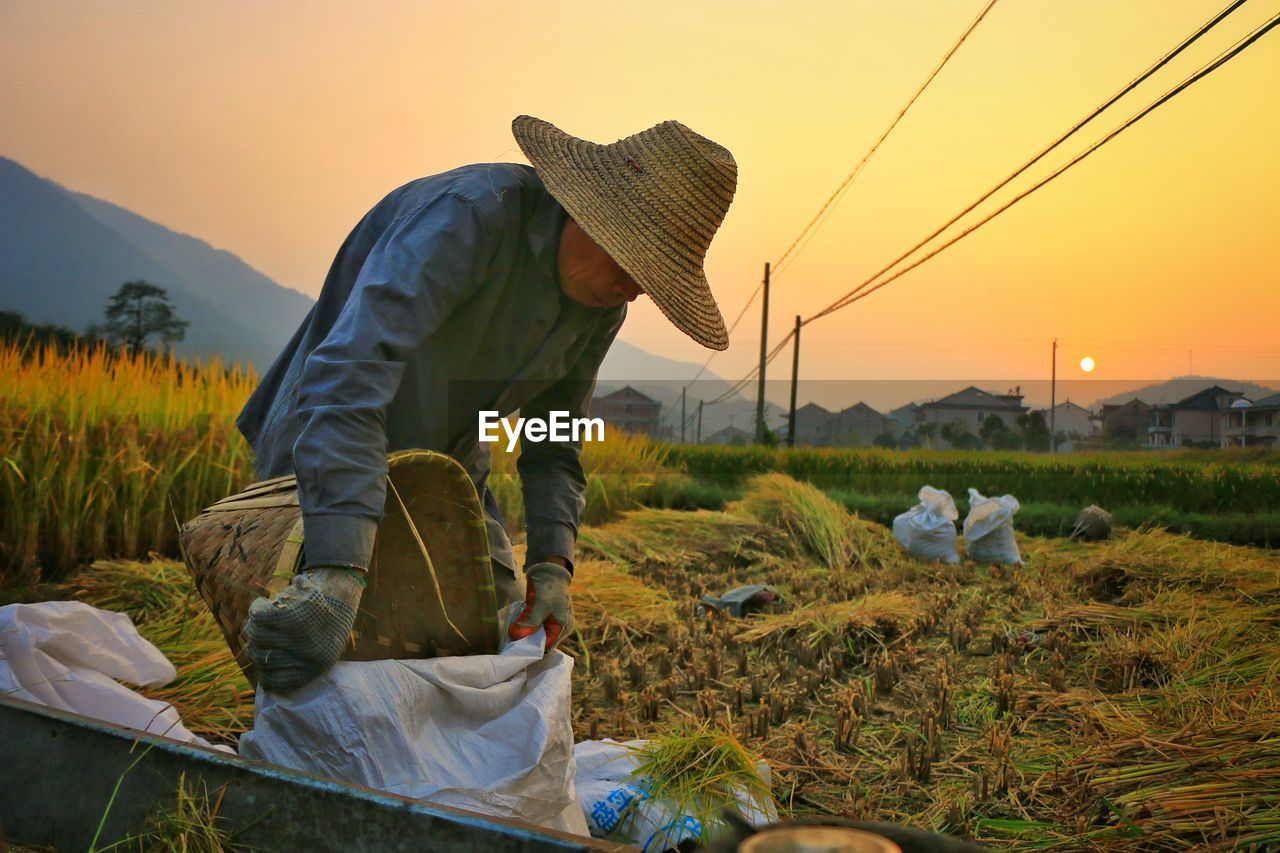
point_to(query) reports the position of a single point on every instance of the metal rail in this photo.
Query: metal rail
(58, 770)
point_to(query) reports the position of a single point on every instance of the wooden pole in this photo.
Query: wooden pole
(683, 419)
(1053, 398)
(764, 350)
(795, 380)
(699, 439)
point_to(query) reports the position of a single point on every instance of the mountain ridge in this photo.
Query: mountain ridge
(62, 255)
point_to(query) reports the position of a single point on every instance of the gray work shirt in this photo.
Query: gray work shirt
(444, 301)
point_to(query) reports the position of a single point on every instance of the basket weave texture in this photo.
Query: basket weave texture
(430, 586)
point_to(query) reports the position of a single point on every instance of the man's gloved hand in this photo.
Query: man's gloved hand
(300, 634)
(546, 601)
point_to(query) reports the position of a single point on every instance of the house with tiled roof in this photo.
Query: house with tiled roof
(813, 425)
(629, 410)
(903, 418)
(1193, 420)
(730, 435)
(971, 406)
(858, 426)
(1126, 420)
(1251, 423)
(1072, 420)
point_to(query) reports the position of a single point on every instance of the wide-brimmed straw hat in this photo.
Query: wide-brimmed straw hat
(653, 201)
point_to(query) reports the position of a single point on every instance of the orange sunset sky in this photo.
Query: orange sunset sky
(268, 129)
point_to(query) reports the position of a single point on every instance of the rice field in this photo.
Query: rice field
(1112, 696)
(101, 454)
(1117, 695)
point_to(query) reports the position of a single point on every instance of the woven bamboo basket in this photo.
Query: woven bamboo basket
(430, 586)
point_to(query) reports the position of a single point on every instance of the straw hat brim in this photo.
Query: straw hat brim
(589, 180)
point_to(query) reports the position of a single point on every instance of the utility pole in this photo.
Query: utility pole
(699, 441)
(683, 419)
(764, 345)
(1053, 398)
(795, 378)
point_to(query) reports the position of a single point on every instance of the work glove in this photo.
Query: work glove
(546, 601)
(300, 634)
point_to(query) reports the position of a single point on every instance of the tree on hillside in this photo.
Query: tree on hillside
(140, 310)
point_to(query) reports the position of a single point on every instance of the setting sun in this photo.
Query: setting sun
(1086, 364)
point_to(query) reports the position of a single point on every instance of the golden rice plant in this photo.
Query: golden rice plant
(210, 693)
(1096, 616)
(606, 597)
(1212, 779)
(699, 770)
(99, 451)
(701, 541)
(820, 525)
(879, 616)
(1178, 732)
(192, 824)
(1160, 557)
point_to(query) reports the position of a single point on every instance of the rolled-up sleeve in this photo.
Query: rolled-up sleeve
(551, 475)
(423, 266)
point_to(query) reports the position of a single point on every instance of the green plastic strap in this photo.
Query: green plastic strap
(357, 574)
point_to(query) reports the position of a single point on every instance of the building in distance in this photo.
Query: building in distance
(629, 410)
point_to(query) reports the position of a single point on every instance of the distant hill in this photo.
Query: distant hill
(627, 363)
(62, 254)
(1181, 387)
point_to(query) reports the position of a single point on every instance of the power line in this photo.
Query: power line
(840, 190)
(755, 371)
(862, 291)
(1209, 68)
(834, 199)
(733, 326)
(1152, 69)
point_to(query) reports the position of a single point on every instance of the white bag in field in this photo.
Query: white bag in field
(489, 733)
(618, 808)
(928, 529)
(70, 656)
(988, 529)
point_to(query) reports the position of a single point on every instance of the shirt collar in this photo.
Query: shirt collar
(545, 227)
(544, 230)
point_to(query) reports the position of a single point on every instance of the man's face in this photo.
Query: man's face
(587, 273)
